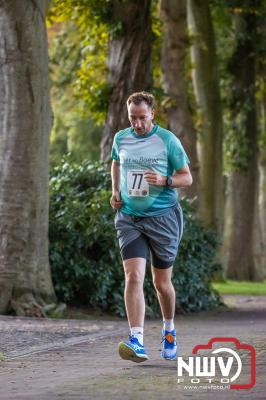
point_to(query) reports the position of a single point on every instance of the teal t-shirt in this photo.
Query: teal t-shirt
(161, 151)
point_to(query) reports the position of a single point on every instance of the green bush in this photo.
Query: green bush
(84, 253)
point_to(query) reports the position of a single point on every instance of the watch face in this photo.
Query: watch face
(169, 181)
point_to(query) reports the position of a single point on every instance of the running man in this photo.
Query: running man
(149, 163)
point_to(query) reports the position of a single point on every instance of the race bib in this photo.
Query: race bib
(136, 184)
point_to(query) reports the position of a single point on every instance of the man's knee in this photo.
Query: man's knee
(162, 286)
(134, 278)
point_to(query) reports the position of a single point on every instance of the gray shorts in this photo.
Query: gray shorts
(158, 235)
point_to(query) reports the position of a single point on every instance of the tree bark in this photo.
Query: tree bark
(129, 64)
(243, 180)
(175, 41)
(25, 124)
(206, 87)
(260, 236)
(260, 224)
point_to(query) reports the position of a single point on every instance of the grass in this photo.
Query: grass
(241, 287)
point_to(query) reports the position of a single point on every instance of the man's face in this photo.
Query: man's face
(141, 117)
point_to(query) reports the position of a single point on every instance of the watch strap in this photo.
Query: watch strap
(169, 181)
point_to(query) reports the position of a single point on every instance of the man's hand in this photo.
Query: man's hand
(153, 178)
(115, 201)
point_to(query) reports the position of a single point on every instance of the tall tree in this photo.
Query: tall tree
(206, 87)
(25, 123)
(175, 41)
(243, 179)
(129, 63)
(262, 182)
(261, 202)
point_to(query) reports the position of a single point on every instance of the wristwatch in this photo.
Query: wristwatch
(169, 181)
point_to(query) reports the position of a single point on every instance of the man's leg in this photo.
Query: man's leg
(135, 307)
(134, 269)
(165, 290)
(166, 296)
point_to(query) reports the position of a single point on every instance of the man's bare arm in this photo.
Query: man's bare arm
(181, 178)
(115, 200)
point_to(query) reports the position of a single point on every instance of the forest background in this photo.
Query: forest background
(204, 62)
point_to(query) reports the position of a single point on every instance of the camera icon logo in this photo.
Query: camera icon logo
(228, 362)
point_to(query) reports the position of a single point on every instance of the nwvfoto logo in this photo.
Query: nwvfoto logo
(229, 366)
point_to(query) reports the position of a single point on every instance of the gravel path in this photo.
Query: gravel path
(79, 359)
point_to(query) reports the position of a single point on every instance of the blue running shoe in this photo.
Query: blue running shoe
(132, 350)
(169, 350)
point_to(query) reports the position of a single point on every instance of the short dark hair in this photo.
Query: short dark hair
(139, 97)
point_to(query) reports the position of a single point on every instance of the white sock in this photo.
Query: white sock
(168, 324)
(137, 332)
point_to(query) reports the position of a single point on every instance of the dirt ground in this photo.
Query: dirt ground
(73, 359)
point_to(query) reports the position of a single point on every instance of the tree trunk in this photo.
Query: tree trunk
(25, 123)
(243, 180)
(175, 41)
(260, 236)
(206, 87)
(129, 65)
